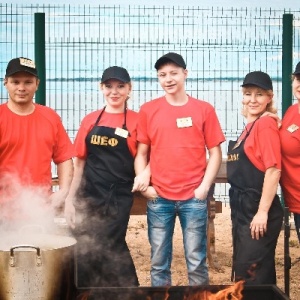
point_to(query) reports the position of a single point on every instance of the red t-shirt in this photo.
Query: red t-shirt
(178, 153)
(290, 147)
(109, 120)
(262, 146)
(28, 145)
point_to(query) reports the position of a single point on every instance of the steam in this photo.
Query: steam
(24, 207)
(102, 259)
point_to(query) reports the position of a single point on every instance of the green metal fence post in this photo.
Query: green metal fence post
(39, 50)
(287, 61)
(287, 67)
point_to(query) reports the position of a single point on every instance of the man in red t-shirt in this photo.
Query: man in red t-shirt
(32, 136)
(179, 130)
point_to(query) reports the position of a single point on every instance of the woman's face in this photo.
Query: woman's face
(296, 87)
(255, 101)
(116, 92)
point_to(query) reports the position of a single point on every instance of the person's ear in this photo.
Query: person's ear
(185, 73)
(37, 84)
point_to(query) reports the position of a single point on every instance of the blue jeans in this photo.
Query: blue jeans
(297, 224)
(161, 216)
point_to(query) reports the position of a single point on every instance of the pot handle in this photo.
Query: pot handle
(38, 254)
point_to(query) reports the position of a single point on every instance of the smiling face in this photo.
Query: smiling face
(296, 86)
(172, 78)
(116, 93)
(21, 88)
(255, 101)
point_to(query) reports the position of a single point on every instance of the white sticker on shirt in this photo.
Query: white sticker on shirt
(184, 122)
(121, 132)
(292, 128)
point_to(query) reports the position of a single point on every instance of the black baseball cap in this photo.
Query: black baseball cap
(258, 78)
(21, 64)
(170, 57)
(115, 72)
(297, 69)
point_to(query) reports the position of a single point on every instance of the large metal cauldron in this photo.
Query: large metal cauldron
(34, 266)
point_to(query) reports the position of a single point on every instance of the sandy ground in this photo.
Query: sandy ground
(139, 246)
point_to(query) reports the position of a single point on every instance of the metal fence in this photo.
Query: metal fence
(220, 46)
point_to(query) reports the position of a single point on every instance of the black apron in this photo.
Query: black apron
(103, 207)
(253, 260)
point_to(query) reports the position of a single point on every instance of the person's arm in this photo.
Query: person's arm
(65, 174)
(142, 180)
(141, 158)
(142, 168)
(258, 225)
(212, 168)
(69, 206)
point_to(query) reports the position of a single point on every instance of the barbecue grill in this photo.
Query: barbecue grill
(260, 292)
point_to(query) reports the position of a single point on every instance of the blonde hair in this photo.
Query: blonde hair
(270, 106)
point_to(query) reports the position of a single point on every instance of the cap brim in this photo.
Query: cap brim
(21, 71)
(116, 78)
(164, 60)
(258, 85)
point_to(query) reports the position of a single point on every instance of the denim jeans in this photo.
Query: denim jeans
(297, 224)
(161, 216)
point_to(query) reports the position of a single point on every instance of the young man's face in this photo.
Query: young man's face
(21, 87)
(172, 78)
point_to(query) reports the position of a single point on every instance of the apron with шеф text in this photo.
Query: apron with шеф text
(253, 260)
(103, 257)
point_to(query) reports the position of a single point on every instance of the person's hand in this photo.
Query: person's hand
(201, 192)
(141, 182)
(258, 226)
(57, 200)
(70, 212)
(150, 193)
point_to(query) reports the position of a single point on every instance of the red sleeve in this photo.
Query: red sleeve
(263, 144)
(212, 130)
(64, 148)
(86, 125)
(142, 135)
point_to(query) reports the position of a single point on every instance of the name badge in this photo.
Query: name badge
(184, 122)
(292, 128)
(121, 132)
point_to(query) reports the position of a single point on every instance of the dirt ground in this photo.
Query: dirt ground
(139, 246)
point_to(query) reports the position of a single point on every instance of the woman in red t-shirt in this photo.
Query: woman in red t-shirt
(253, 171)
(290, 149)
(100, 192)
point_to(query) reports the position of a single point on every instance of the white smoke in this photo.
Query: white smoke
(24, 206)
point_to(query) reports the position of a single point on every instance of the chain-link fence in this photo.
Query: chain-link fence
(220, 46)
